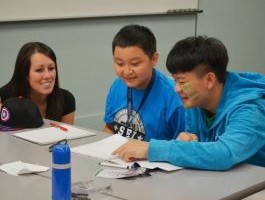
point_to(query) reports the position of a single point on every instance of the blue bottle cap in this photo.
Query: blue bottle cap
(61, 154)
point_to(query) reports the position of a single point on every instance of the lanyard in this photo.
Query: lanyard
(130, 103)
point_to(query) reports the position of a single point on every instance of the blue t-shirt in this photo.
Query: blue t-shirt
(162, 114)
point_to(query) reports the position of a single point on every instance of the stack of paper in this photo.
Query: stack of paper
(53, 134)
(102, 149)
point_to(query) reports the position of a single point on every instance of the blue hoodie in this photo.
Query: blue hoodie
(236, 136)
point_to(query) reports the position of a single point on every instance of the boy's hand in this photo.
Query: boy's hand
(108, 128)
(185, 136)
(132, 150)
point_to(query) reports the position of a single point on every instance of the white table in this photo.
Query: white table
(185, 184)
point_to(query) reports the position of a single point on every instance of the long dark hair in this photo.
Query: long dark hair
(19, 84)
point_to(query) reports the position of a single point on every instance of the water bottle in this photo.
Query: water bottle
(61, 172)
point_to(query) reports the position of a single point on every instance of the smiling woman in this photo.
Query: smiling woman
(36, 77)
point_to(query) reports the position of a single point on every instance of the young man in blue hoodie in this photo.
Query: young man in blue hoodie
(225, 119)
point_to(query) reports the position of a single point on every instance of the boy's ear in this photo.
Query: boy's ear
(211, 79)
(155, 59)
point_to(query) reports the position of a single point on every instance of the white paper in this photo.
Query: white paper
(18, 167)
(102, 149)
(112, 173)
(120, 173)
(146, 164)
(53, 134)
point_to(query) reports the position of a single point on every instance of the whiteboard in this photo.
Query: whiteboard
(22, 10)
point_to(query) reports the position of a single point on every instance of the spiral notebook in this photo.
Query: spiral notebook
(51, 135)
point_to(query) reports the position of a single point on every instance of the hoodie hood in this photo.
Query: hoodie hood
(240, 88)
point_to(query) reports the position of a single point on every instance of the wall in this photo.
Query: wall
(240, 25)
(83, 46)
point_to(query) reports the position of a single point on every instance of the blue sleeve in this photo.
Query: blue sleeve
(108, 117)
(243, 137)
(177, 121)
(175, 110)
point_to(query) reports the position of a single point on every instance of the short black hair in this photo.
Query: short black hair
(203, 53)
(135, 35)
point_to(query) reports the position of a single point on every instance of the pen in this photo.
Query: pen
(114, 165)
(58, 126)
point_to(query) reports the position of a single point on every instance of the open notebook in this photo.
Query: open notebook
(102, 149)
(53, 134)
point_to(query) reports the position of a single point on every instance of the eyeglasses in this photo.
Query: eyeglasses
(64, 141)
